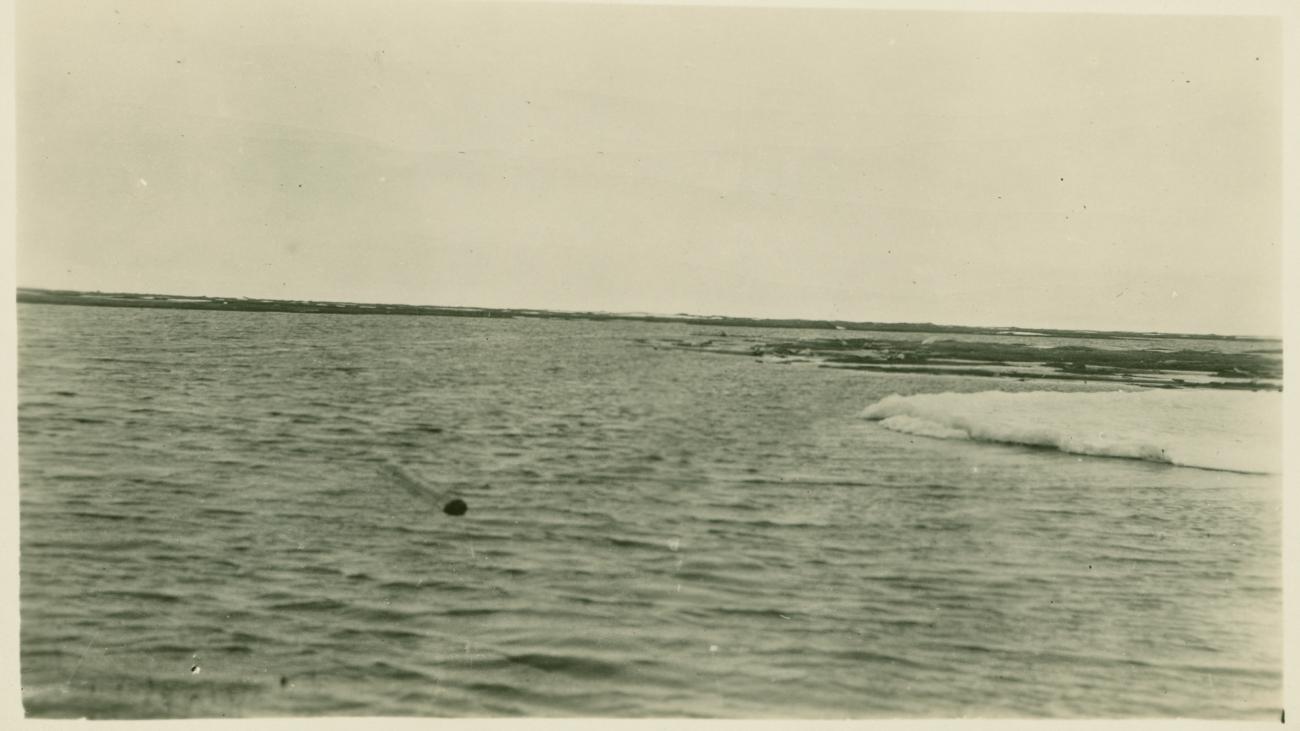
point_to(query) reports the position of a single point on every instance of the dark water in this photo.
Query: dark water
(206, 531)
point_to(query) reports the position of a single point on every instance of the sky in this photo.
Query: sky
(1005, 169)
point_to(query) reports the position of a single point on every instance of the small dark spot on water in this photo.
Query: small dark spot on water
(284, 681)
(456, 506)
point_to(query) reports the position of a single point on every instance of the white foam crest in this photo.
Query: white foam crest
(1224, 430)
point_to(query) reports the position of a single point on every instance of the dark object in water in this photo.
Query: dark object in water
(455, 506)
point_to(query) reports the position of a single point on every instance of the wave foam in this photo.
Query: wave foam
(1223, 430)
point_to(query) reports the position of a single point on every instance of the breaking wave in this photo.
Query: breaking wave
(1221, 430)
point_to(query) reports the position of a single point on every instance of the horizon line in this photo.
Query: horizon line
(739, 320)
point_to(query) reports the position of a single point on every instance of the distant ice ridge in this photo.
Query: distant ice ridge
(1222, 430)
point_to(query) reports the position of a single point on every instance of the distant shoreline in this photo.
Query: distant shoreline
(247, 304)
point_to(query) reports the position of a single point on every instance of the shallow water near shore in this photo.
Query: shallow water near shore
(209, 529)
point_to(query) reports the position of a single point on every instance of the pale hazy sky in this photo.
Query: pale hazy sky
(1049, 170)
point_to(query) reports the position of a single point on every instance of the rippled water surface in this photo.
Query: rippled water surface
(207, 530)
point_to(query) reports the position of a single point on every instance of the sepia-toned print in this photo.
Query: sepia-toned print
(609, 360)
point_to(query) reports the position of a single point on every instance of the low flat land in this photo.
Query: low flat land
(1140, 359)
(115, 299)
(1140, 362)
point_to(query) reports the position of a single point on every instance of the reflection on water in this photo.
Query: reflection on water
(207, 531)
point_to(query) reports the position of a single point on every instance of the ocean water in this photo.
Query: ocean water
(240, 514)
